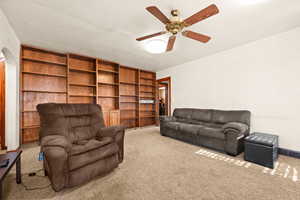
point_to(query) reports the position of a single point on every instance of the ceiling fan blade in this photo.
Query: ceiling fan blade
(171, 43)
(158, 14)
(152, 35)
(201, 15)
(196, 36)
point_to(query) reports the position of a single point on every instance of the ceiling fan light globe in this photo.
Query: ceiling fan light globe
(156, 46)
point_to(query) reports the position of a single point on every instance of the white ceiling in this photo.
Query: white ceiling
(107, 29)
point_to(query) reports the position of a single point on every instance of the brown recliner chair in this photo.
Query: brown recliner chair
(76, 144)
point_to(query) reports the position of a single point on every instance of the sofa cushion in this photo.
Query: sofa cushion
(221, 116)
(202, 115)
(88, 145)
(172, 125)
(80, 160)
(189, 128)
(211, 132)
(185, 113)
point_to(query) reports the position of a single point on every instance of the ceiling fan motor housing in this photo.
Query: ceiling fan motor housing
(176, 25)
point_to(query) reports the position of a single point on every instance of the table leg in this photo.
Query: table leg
(18, 170)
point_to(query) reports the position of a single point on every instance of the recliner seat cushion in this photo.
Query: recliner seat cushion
(211, 132)
(172, 125)
(89, 145)
(189, 128)
(80, 160)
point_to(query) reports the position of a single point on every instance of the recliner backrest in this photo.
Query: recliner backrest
(225, 116)
(75, 121)
(191, 115)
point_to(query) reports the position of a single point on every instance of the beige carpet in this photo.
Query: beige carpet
(161, 168)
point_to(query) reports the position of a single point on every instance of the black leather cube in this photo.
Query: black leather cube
(262, 149)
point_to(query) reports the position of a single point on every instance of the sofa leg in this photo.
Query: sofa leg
(230, 154)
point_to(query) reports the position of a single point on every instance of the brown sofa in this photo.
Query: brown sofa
(217, 129)
(76, 145)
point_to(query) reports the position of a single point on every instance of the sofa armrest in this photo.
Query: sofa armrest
(117, 133)
(234, 133)
(236, 127)
(166, 118)
(56, 141)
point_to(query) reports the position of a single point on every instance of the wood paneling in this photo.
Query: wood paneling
(70, 78)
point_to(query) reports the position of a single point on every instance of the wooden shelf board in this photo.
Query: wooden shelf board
(147, 97)
(147, 111)
(128, 118)
(128, 102)
(108, 71)
(25, 111)
(128, 95)
(30, 127)
(147, 85)
(40, 91)
(81, 95)
(128, 83)
(153, 116)
(147, 92)
(44, 61)
(44, 74)
(128, 109)
(81, 70)
(145, 78)
(82, 85)
(112, 84)
(101, 96)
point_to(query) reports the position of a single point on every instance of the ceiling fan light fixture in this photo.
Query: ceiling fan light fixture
(156, 46)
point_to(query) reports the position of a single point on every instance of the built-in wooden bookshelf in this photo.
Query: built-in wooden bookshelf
(81, 79)
(49, 76)
(44, 79)
(148, 113)
(129, 91)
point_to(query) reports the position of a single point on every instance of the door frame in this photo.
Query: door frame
(166, 79)
(2, 99)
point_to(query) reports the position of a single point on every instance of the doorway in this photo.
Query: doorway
(2, 102)
(164, 96)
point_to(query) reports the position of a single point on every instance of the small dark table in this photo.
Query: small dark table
(14, 157)
(262, 149)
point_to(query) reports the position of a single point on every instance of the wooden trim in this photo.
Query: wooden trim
(2, 100)
(40, 49)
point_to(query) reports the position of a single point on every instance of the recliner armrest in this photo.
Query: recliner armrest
(56, 141)
(117, 133)
(236, 127)
(110, 131)
(166, 118)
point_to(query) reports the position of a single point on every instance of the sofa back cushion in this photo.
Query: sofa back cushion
(75, 121)
(204, 116)
(222, 116)
(192, 115)
(183, 114)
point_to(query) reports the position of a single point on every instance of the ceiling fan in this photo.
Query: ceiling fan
(174, 25)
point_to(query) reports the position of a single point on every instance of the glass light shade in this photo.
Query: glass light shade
(156, 46)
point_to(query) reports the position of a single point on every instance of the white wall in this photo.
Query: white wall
(10, 46)
(262, 76)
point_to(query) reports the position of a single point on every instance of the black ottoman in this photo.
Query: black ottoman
(262, 149)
